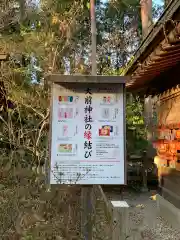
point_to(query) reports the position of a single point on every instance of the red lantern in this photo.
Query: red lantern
(177, 145)
(172, 147)
(162, 148)
(178, 134)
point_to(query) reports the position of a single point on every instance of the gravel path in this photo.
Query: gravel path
(144, 220)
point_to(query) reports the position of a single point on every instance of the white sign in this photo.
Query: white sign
(87, 144)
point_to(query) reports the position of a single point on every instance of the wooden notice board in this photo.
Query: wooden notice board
(87, 130)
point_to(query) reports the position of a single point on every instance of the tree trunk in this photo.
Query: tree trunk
(146, 16)
(93, 36)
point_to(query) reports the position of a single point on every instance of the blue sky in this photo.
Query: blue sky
(158, 1)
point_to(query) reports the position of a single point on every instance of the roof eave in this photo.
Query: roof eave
(153, 34)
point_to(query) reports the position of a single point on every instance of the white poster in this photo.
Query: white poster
(88, 136)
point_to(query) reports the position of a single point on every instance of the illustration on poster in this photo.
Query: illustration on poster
(106, 100)
(64, 148)
(65, 113)
(68, 99)
(105, 130)
(65, 130)
(108, 131)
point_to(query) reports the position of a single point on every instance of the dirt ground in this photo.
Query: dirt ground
(144, 221)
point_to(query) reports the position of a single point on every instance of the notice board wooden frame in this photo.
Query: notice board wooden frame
(86, 79)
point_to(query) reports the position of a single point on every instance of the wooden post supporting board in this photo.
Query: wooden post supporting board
(86, 215)
(87, 191)
(120, 220)
(61, 165)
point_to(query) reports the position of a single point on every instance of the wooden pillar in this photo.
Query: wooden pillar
(144, 172)
(147, 126)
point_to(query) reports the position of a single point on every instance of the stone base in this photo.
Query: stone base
(168, 211)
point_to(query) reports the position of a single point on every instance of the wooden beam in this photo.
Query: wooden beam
(58, 78)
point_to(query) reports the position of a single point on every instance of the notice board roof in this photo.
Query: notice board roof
(59, 78)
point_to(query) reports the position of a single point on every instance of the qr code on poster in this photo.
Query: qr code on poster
(105, 112)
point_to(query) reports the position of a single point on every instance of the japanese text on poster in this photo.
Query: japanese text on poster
(87, 145)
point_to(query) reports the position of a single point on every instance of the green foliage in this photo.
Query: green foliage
(58, 32)
(135, 127)
(136, 132)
